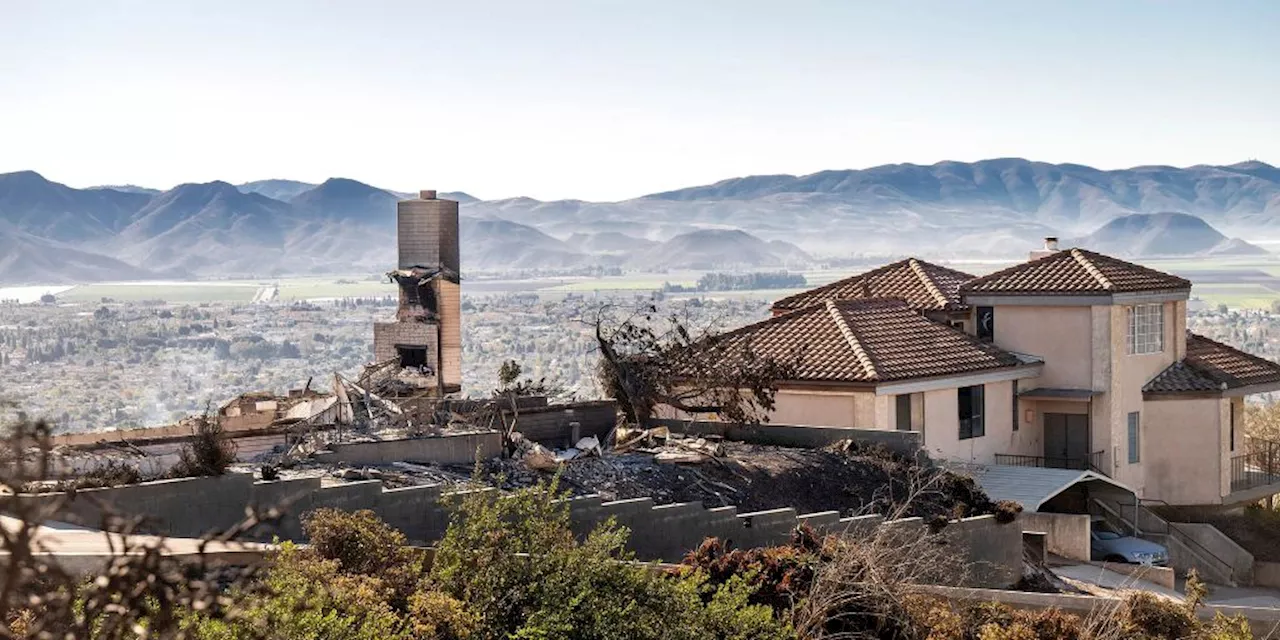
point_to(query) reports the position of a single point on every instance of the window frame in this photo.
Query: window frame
(1231, 441)
(898, 402)
(1145, 329)
(1134, 440)
(973, 426)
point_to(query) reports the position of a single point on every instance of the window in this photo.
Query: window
(1015, 405)
(1231, 442)
(1146, 328)
(986, 317)
(903, 403)
(970, 407)
(1134, 443)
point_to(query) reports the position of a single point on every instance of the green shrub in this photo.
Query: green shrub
(362, 544)
(517, 567)
(304, 597)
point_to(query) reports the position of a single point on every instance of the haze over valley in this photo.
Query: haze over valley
(993, 209)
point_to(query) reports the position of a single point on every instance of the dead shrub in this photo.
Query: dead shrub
(778, 576)
(113, 473)
(210, 452)
(1007, 511)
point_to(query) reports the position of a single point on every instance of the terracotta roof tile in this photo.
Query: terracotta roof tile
(1074, 272)
(921, 284)
(870, 341)
(1211, 366)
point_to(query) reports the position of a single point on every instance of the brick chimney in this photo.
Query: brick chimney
(1050, 248)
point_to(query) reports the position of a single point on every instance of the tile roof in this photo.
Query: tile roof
(1213, 367)
(921, 284)
(869, 341)
(1074, 272)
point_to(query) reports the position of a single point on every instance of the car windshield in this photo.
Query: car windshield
(1104, 531)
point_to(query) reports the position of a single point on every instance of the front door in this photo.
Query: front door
(1066, 440)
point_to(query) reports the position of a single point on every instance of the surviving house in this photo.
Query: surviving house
(1072, 359)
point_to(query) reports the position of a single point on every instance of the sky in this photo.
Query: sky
(607, 100)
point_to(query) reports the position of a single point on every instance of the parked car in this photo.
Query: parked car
(1108, 544)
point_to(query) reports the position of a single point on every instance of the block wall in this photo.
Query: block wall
(191, 507)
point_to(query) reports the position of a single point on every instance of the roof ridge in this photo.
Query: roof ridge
(1091, 268)
(851, 338)
(929, 284)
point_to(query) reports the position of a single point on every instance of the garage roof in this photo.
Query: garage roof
(1031, 486)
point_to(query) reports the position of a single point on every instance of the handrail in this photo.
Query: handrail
(1090, 462)
(1174, 532)
(1258, 466)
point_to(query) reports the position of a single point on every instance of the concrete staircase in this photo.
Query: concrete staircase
(1214, 556)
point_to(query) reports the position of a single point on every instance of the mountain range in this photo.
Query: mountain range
(992, 208)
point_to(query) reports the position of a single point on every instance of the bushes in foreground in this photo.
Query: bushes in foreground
(507, 568)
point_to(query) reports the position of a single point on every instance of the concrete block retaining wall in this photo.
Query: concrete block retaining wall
(451, 449)
(1068, 534)
(1266, 574)
(552, 425)
(193, 507)
(906, 443)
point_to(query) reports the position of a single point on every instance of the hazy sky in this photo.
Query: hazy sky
(609, 100)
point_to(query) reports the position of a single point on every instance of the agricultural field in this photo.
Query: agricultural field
(1243, 283)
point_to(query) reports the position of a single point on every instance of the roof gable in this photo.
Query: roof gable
(922, 285)
(1074, 272)
(869, 341)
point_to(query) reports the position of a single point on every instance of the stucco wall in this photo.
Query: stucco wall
(1129, 374)
(1056, 334)
(816, 408)
(1178, 438)
(942, 426)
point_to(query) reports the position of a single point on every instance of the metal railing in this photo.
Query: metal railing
(1091, 462)
(1166, 528)
(1258, 466)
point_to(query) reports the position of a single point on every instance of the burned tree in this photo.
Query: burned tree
(647, 363)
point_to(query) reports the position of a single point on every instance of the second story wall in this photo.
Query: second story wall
(1062, 336)
(1129, 373)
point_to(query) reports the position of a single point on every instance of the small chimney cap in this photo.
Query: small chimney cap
(1051, 243)
(427, 194)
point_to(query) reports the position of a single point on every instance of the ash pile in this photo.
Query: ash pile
(669, 467)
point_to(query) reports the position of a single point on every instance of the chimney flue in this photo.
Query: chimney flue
(427, 194)
(1051, 243)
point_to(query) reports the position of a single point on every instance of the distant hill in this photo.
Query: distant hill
(1164, 234)
(948, 209)
(26, 259)
(193, 227)
(276, 189)
(347, 200)
(495, 243)
(127, 188)
(987, 209)
(718, 249)
(608, 242)
(54, 211)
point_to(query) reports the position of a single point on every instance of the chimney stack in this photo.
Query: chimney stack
(1050, 248)
(427, 194)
